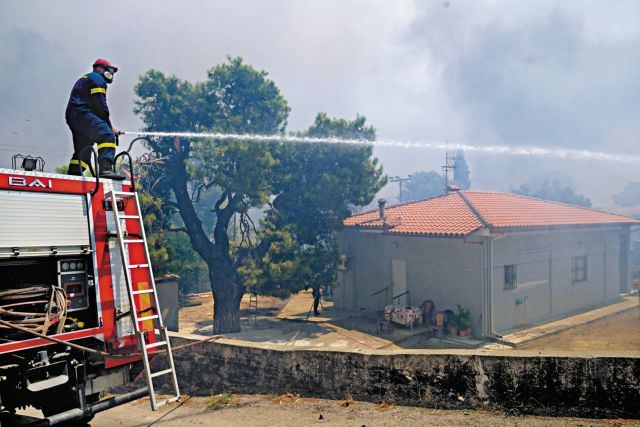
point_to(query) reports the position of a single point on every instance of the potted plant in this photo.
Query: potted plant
(464, 321)
(452, 323)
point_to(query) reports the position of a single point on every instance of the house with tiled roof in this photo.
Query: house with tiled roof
(511, 260)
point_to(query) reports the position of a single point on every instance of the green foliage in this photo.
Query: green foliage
(424, 185)
(219, 401)
(553, 191)
(463, 318)
(166, 102)
(238, 98)
(304, 190)
(452, 320)
(315, 186)
(62, 169)
(170, 252)
(324, 126)
(235, 98)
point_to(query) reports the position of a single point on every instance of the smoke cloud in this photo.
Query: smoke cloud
(545, 73)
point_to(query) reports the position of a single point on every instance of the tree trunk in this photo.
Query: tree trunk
(226, 293)
(226, 298)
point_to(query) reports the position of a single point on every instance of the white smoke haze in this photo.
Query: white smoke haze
(558, 80)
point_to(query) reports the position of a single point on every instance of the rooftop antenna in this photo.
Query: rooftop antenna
(450, 163)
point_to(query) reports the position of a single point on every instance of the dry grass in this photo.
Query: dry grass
(219, 401)
(287, 398)
(347, 402)
(385, 406)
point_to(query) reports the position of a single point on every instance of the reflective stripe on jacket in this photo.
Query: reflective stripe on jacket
(89, 94)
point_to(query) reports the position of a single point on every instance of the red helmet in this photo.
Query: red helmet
(105, 63)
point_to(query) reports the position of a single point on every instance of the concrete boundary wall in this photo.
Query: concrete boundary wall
(516, 381)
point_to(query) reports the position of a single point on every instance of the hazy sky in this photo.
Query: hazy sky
(563, 73)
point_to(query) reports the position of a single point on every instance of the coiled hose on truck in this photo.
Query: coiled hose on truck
(52, 301)
(37, 308)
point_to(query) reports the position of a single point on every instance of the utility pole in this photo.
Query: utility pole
(400, 181)
(450, 163)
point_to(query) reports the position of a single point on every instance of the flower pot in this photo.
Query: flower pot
(469, 331)
(453, 330)
(463, 332)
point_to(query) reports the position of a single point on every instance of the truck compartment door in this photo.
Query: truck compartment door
(35, 222)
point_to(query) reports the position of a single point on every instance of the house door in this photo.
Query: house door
(399, 278)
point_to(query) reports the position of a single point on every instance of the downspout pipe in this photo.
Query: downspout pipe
(487, 297)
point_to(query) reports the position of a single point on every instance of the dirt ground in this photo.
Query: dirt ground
(198, 318)
(617, 332)
(290, 410)
(288, 322)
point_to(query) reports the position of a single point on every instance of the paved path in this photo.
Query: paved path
(552, 328)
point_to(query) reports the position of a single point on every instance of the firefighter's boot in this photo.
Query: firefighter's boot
(107, 170)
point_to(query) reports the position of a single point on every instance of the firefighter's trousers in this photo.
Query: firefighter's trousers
(87, 129)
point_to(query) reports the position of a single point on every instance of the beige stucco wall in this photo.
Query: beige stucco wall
(545, 288)
(449, 271)
(445, 270)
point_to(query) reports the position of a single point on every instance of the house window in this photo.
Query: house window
(579, 268)
(510, 276)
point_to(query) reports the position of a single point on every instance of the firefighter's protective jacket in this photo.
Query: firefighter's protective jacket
(89, 95)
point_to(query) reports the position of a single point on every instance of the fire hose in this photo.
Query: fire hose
(53, 312)
(101, 353)
(18, 312)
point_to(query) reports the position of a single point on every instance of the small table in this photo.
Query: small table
(404, 315)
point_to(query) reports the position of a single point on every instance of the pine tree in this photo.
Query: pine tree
(461, 174)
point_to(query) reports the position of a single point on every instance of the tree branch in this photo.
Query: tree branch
(177, 230)
(199, 240)
(195, 193)
(223, 197)
(262, 247)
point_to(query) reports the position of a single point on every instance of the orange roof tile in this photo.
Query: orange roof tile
(463, 212)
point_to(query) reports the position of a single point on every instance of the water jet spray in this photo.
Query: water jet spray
(525, 150)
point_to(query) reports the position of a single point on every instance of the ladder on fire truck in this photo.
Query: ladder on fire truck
(138, 316)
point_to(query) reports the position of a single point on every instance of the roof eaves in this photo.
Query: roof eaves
(535, 227)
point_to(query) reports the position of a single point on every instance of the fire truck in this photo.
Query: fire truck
(79, 312)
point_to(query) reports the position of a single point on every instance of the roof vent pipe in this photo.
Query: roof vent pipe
(381, 203)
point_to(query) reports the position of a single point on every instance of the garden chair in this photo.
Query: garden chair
(428, 309)
(385, 321)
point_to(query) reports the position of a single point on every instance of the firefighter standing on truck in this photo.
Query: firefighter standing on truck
(88, 118)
